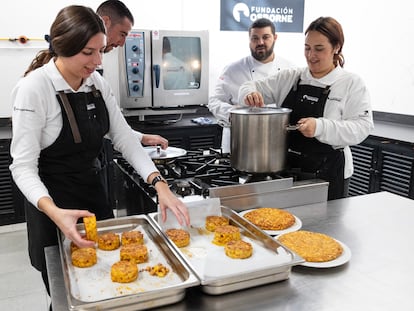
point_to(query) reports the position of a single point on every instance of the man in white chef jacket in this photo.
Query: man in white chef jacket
(118, 21)
(261, 63)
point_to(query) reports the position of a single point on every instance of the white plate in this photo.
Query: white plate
(344, 258)
(169, 153)
(295, 227)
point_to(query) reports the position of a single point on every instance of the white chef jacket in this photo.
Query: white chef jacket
(347, 118)
(227, 88)
(37, 122)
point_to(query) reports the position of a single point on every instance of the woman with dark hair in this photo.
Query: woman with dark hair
(62, 109)
(330, 106)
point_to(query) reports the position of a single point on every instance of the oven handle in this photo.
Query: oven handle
(157, 70)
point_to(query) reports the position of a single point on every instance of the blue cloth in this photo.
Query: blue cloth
(202, 120)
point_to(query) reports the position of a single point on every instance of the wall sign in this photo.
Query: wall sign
(237, 15)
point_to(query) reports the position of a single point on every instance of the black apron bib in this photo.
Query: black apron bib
(69, 169)
(308, 155)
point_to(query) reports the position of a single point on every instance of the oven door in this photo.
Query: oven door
(180, 68)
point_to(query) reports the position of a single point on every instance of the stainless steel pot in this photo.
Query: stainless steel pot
(259, 139)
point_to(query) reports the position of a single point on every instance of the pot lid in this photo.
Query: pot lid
(260, 110)
(156, 153)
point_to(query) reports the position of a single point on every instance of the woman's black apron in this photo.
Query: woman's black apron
(308, 155)
(69, 169)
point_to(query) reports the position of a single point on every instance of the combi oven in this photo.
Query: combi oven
(163, 69)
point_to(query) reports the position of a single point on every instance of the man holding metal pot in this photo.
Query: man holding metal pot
(330, 106)
(261, 63)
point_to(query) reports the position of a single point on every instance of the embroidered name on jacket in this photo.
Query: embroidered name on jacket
(335, 99)
(90, 106)
(310, 98)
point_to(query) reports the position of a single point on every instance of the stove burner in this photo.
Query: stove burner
(182, 188)
(261, 177)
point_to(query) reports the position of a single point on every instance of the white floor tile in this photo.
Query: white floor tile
(21, 286)
(32, 302)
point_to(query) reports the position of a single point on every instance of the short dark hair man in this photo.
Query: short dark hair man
(118, 22)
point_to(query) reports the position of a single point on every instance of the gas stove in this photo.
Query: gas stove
(199, 171)
(202, 174)
(189, 175)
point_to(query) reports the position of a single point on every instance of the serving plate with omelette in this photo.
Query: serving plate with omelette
(273, 221)
(318, 249)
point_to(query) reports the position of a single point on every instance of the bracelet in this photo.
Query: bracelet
(157, 179)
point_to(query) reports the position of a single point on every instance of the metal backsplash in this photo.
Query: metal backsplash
(280, 193)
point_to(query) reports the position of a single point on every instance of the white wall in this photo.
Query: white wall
(377, 40)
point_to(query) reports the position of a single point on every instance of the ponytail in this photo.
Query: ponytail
(43, 57)
(339, 59)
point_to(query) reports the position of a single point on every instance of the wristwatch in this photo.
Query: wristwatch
(157, 179)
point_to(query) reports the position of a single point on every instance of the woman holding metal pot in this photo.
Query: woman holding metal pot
(330, 106)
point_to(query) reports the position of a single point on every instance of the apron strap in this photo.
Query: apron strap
(71, 117)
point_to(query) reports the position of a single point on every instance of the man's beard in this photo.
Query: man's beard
(263, 54)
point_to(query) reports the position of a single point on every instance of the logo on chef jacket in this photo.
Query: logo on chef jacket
(238, 15)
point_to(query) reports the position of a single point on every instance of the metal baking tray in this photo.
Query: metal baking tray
(92, 288)
(218, 274)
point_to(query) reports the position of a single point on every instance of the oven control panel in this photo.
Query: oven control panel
(135, 62)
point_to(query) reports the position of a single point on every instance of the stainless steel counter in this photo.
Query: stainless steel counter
(401, 132)
(378, 228)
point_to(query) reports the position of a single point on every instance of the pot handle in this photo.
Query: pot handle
(293, 127)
